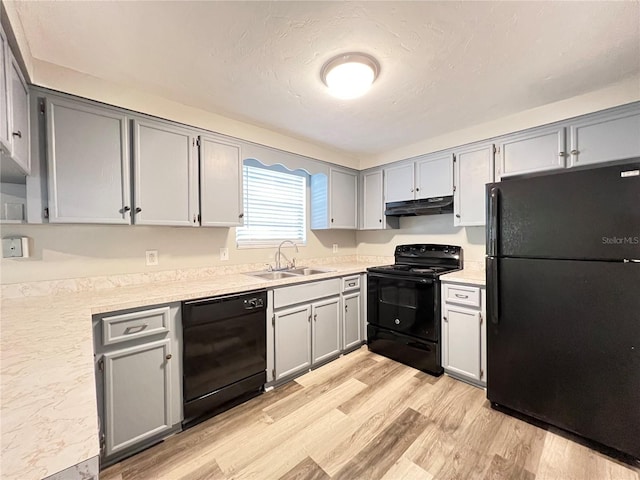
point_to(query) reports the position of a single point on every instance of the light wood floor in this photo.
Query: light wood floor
(366, 417)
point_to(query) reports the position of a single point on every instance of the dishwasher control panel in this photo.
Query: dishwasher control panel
(251, 303)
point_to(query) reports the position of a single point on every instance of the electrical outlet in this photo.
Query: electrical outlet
(152, 257)
(224, 254)
(335, 248)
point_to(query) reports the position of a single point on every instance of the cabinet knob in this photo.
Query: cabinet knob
(457, 215)
(563, 154)
(445, 319)
(574, 152)
(315, 317)
(346, 308)
(241, 215)
(17, 134)
(418, 189)
(332, 220)
(412, 190)
(168, 357)
(126, 209)
(380, 220)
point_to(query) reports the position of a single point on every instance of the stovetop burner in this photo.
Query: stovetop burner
(426, 260)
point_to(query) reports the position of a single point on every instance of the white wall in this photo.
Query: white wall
(620, 93)
(425, 229)
(73, 251)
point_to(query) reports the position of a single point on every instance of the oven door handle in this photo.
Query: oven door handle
(423, 280)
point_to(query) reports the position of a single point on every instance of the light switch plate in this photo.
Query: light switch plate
(15, 247)
(224, 254)
(335, 248)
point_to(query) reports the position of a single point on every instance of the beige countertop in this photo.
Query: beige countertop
(473, 276)
(49, 412)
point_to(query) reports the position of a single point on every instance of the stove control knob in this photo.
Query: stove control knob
(397, 320)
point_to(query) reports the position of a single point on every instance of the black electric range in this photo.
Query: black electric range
(403, 304)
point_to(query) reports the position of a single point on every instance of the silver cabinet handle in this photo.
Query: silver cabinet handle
(412, 190)
(445, 319)
(315, 317)
(17, 134)
(457, 215)
(397, 321)
(459, 295)
(352, 284)
(574, 152)
(563, 154)
(168, 357)
(346, 308)
(137, 328)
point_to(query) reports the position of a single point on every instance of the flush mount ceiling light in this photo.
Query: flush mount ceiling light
(350, 75)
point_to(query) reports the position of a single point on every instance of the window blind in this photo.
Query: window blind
(274, 207)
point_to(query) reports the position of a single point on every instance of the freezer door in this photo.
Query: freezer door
(565, 346)
(582, 214)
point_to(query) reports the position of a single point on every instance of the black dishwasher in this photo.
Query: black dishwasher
(224, 353)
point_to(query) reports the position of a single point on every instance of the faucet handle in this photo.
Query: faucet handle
(293, 262)
(269, 267)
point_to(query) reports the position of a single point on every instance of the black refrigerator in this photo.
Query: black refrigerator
(563, 301)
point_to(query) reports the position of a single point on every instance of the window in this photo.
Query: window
(274, 205)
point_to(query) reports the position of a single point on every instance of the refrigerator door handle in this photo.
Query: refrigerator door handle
(494, 220)
(493, 290)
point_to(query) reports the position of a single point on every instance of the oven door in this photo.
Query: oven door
(404, 304)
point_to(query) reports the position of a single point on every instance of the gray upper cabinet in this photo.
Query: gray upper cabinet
(334, 200)
(220, 183)
(536, 150)
(605, 137)
(372, 201)
(398, 183)
(19, 131)
(88, 164)
(165, 175)
(434, 176)
(137, 394)
(473, 170)
(5, 134)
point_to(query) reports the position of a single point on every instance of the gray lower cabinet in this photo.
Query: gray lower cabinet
(326, 329)
(463, 332)
(165, 175)
(352, 324)
(138, 378)
(137, 394)
(292, 341)
(88, 179)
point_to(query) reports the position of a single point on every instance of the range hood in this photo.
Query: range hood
(425, 206)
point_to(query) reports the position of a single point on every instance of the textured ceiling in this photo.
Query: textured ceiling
(444, 65)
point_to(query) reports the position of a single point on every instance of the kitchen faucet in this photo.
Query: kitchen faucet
(279, 256)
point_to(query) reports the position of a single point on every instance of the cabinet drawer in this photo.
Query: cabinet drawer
(133, 325)
(462, 294)
(351, 283)
(305, 292)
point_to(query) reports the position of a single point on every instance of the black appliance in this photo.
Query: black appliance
(224, 353)
(563, 294)
(403, 304)
(424, 206)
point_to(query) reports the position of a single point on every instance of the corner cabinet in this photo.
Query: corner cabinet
(138, 371)
(464, 336)
(165, 175)
(220, 182)
(88, 164)
(473, 170)
(334, 200)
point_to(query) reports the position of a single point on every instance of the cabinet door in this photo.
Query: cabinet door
(535, 151)
(398, 183)
(434, 176)
(344, 199)
(165, 175)
(326, 329)
(351, 329)
(138, 393)
(88, 164)
(5, 134)
(605, 137)
(461, 341)
(372, 201)
(292, 341)
(19, 94)
(473, 170)
(220, 183)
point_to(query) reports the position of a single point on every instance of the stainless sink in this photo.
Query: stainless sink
(295, 272)
(308, 271)
(272, 275)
